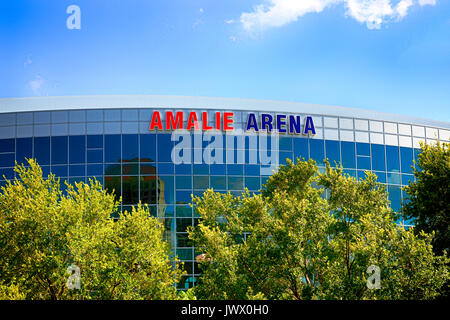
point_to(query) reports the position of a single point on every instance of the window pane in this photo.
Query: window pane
(235, 169)
(7, 160)
(130, 148)
(59, 171)
(130, 168)
(218, 169)
(392, 158)
(201, 182)
(165, 168)
(130, 190)
(183, 197)
(112, 148)
(78, 171)
(301, 148)
(183, 169)
(407, 178)
(406, 155)
(252, 170)
(59, 150)
(200, 169)
(363, 163)
(166, 190)
(148, 190)
(235, 183)
(24, 149)
(317, 151)
(285, 144)
(7, 145)
(148, 147)
(378, 158)
(283, 156)
(42, 150)
(362, 149)
(77, 149)
(183, 223)
(252, 183)
(183, 182)
(393, 178)
(113, 169)
(94, 169)
(348, 154)
(113, 184)
(332, 152)
(218, 182)
(164, 148)
(95, 141)
(95, 156)
(381, 177)
(395, 197)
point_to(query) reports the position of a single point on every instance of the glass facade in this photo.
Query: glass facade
(116, 147)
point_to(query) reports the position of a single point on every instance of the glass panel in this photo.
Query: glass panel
(200, 169)
(148, 147)
(218, 169)
(130, 168)
(332, 152)
(94, 156)
(6, 174)
(165, 168)
(235, 169)
(130, 190)
(301, 148)
(395, 197)
(164, 148)
(184, 211)
(183, 197)
(252, 183)
(147, 169)
(392, 158)
(362, 149)
(285, 144)
(95, 141)
(381, 177)
(393, 178)
(317, 151)
(78, 171)
(7, 145)
(148, 190)
(235, 183)
(183, 182)
(183, 241)
(59, 150)
(94, 169)
(24, 149)
(42, 150)
(183, 169)
(166, 190)
(7, 160)
(252, 170)
(378, 157)
(283, 156)
(201, 182)
(112, 148)
(348, 154)
(183, 224)
(407, 178)
(113, 169)
(406, 155)
(59, 171)
(363, 163)
(77, 149)
(130, 150)
(113, 184)
(218, 182)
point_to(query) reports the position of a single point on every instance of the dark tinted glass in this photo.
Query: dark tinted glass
(130, 190)
(201, 182)
(165, 168)
(77, 149)
(148, 189)
(24, 149)
(94, 156)
(183, 182)
(42, 150)
(363, 163)
(252, 170)
(59, 150)
(148, 147)
(235, 169)
(59, 171)
(183, 197)
(252, 183)
(130, 150)
(235, 183)
(166, 190)
(79, 171)
(218, 182)
(113, 184)
(94, 169)
(112, 148)
(285, 144)
(95, 141)
(218, 169)
(164, 148)
(7, 159)
(7, 145)
(362, 149)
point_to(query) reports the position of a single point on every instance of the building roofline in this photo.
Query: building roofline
(53, 103)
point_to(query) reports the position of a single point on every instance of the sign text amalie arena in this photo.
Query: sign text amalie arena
(223, 121)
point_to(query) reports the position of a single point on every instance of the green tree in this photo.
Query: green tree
(311, 235)
(428, 197)
(44, 230)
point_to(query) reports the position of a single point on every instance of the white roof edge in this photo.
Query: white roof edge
(53, 103)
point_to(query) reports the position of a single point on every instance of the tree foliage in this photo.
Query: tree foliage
(44, 230)
(311, 235)
(428, 198)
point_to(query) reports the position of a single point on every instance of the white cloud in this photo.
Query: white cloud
(36, 84)
(276, 13)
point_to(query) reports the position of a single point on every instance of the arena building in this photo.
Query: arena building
(162, 149)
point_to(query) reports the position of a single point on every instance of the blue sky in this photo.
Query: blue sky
(381, 55)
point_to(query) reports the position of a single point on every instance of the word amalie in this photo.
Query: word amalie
(74, 20)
